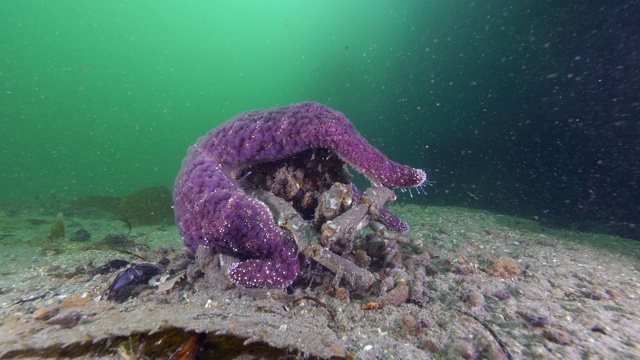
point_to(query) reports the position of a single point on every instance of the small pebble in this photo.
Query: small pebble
(534, 319)
(558, 336)
(46, 313)
(80, 235)
(595, 294)
(465, 349)
(600, 328)
(410, 325)
(474, 299)
(430, 270)
(396, 296)
(464, 270)
(66, 320)
(432, 345)
(612, 293)
(502, 294)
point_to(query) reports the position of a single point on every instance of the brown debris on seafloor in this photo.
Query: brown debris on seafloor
(505, 267)
(462, 265)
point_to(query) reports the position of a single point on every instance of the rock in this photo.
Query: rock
(80, 235)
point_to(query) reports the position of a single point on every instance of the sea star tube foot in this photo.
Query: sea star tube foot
(212, 208)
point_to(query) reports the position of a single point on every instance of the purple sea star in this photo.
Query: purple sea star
(213, 210)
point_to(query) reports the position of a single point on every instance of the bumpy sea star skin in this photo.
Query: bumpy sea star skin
(213, 210)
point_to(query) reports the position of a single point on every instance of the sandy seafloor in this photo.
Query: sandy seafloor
(578, 298)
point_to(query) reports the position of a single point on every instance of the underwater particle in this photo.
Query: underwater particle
(80, 235)
(505, 267)
(57, 229)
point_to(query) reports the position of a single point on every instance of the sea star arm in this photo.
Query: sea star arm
(269, 135)
(212, 210)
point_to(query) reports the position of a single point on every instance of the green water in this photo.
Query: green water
(104, 97)
(525, 108)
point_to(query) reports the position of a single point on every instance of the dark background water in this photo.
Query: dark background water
(539, 112)
(527, 108)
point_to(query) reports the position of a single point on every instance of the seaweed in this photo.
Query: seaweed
(57, 229)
